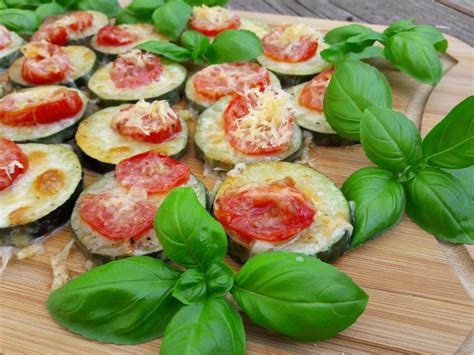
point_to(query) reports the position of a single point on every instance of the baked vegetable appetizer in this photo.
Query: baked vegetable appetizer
(43, 114)
(255, 125)
(211, 21)
(10, 44)
(215, 81)
(307, 100)
(138, 75)
(71, 28)
(113, 217)
(115, 133)
(39, 184)
(120, 39)
(283, 206)
(44, 63)
(293, 53)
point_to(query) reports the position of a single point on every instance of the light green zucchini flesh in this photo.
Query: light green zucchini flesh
(329, 234)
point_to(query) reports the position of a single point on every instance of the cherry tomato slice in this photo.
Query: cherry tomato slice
(118, 215)
(220, 80)
(214, 20)
(133, 70)
(13, 163)
(5, 37)
(152, 172)
(312, 95)
(52, 34)
(115, 36)
(297, 51)
(26, 109)
(272, 211)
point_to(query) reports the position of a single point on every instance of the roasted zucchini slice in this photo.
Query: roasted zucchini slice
(12, 50)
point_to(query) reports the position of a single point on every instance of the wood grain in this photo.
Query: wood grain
(416, 304)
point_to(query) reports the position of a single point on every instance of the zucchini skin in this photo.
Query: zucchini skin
(328, 139)
(288, 80)
(8, 59)
(44, 225)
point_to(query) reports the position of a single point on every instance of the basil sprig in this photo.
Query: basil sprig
(140, 298)
(21, 21)
(410, 47)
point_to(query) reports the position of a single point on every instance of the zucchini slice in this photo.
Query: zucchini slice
(81, 58)
(314, 121)
(257, 27)
(329, 234)
(12, 51)
(56, 132)
(101, 147)
(168, 87)
(101, 249)
(212, 146)
(200, 102)
(41, 199)
(100, 20)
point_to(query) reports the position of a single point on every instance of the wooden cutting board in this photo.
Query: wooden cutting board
(417, 302)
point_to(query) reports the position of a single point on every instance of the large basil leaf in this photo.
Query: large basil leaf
(144, 7)
(191, 287)
(189, 235)
(399, 26)
(415, 56)
(389, 139)
(219, 278)
(211, 327)
(2, 5)
(234, 46)
(450, 144)
(379, 203)
(24, 4)
(50, 9)
(127, 301)
(431, 35)
(440, 204)
(207, 2)
(23, 21)
(109, 7)
(197, 43)
(465, 177)
(354, 87)
(127, 16)
(343, 33)
(166, 49)
(298, 296)
(171, 18)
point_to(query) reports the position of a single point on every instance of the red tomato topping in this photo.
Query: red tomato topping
(271, 211)
(5, 37)
(148, 122)
(290, 44)
(257, 122)
(29, 109)
(312, 95)
(52, 34)
(220, 80)
(114, 36)
(45, 63)
(152, 171)
(76, 22)
(135, 69)
(211, 21)
(57, 30)
(118, 215)
(12, 163)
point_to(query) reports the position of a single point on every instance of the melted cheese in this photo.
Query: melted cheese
(138, 58)
(295, 33)
(214, 14)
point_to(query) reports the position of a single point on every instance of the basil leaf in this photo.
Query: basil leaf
(190, 287)
(450, 144)
(416, 57)
(127, 301)
(144, 7)
(465, 177)
(343, 33)
(23, 4)
(298, 296)
(354, 87)
(399, 26)
(2, 5)
(65, 3)
(234, 46)
(366, 53)
(23, 21)
(189, 235)
(197, 43)
(340, 51)
(207, 2)
(50, 9)
(211, 327)
(126, 16)
(220, 279)
(439, 204)
(166, 49)
(390, 140)
(379, 203)
(431, 35)
(109, 7)
(171, 19)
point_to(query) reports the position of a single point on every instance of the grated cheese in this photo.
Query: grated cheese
(10, 168)
(295, 33)
(137, 57)
(214, 14)
(59, 266)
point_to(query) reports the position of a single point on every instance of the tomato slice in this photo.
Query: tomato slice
(13, 163)
(152, 122)
(76, 22)
(5, 37)
(312, 95)
(271, 211)
(152, 171)
(29, 108)
(115, 36)
(211, 21)
(118, 214)
(52, 34)
(45, 63)
(259, 122)
(216, 81)
(292, 44)
(135, 69)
